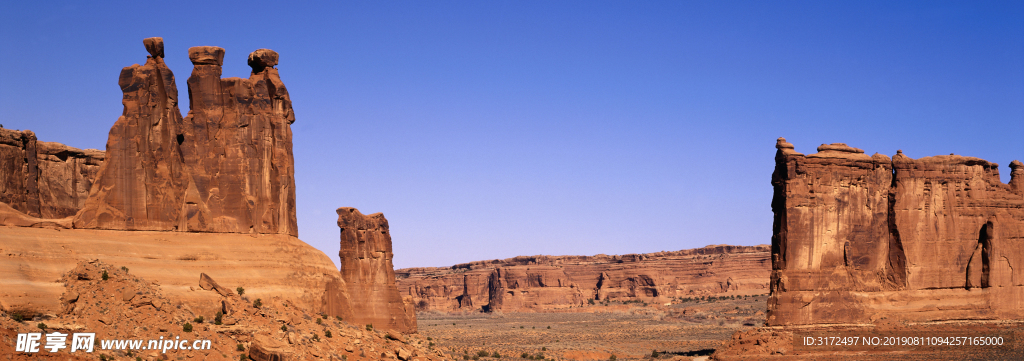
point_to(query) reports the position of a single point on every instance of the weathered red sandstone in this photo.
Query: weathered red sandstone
(227, 167)
(860, 238)
(537, 283)
(44, 179)
(369, 274)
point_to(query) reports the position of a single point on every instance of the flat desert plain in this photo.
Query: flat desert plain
(682, 329)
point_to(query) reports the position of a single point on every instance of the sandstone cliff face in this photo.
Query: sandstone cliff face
(44, 179)
(369, 274)
(227, 167)
(537, 283)
(859, 238)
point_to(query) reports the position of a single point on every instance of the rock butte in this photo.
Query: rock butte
(859, 238)
(209, 200)
(44, 179)
(539, 283)
(367, 270)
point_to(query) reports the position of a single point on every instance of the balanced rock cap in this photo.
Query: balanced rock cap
(261, 59)
(206, 55)
(155, 46)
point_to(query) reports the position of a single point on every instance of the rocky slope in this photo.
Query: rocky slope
(860, 238)
(536, 283)
(115, 303)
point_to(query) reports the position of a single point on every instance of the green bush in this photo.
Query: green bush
(257, 303)
(328, 333)
(187, 327)
(524, 355)
(369, 327)
(241, 291)
(105, 277)
(42, 326)
(240, 347)
(483, 353)
(218, 319)
(17, 317)
(284, 328)
(198, 319)
(125, 269)
(612, 358)
(496, 354)
(319, 321)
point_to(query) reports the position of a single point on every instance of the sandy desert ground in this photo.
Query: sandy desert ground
(684, 329)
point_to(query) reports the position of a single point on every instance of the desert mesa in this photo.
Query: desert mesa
(183, 217)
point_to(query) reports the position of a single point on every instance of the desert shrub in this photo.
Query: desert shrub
(328, 333)
(338, 317)
(125, 269)
(465, 357)
(319, 321)
(655, 354)
(545, 348)
(42, 326)
(284, 328)
(257, 303)
(198, 319)
(105, 277)
(218, 319)
(369, 327)
(483, 353)
(524, 355)
(612, 358)
(187, 327)
(496, 354)
(315, 337)
(241, 291)
(243, 357)
(590, 301)
(240, 347)
(17, 317)
(549, 327)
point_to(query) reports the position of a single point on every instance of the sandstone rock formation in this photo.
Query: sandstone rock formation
(537, 283)
(44, 179)
(858, 238)
(227, 167)
(369, 274)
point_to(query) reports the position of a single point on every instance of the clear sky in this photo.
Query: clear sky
(491, 129)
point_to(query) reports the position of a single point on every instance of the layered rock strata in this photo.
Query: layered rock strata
(266, 266)
(45, 179)
(226, 167)
(367, 271)
(538, 283)
(859, 238)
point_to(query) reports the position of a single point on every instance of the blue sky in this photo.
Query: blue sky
(491, 129)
